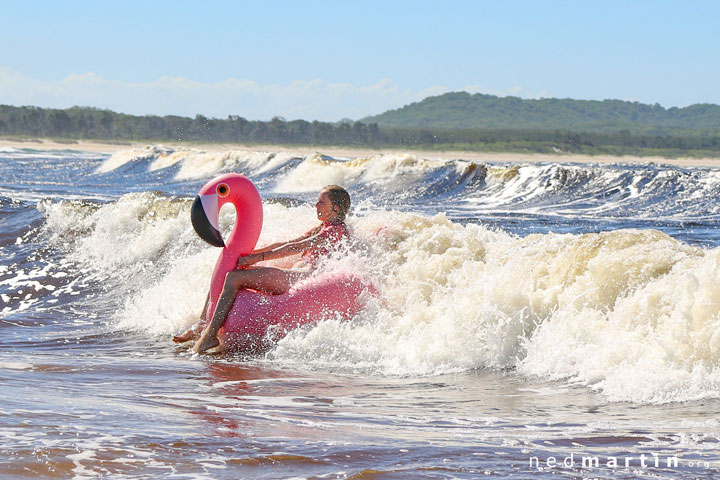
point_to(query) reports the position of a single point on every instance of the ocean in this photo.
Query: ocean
(535, 320)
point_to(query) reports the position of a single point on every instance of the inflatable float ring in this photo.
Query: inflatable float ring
(256, 320)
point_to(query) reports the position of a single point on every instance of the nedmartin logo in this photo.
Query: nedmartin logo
(595, 461)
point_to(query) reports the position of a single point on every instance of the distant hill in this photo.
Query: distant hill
(461, 110)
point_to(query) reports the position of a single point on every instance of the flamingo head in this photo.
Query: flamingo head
(229, 188)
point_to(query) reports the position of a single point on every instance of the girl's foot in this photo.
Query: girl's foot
(204, 344)
(185, 336)
(192, 333)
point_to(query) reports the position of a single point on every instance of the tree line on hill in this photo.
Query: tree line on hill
(91, 123)
(84, 123)
(463, 110)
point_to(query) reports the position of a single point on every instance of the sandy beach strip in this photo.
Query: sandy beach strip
(348, 152)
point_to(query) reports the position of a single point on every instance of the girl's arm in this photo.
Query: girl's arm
(277, 245)
(281, 250)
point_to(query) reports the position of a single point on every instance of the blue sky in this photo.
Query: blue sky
(328, 60)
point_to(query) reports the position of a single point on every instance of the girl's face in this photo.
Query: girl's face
(325, 208)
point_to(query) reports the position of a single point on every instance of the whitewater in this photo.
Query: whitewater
(528, 311)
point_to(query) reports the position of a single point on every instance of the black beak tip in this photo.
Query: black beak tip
(202, 225)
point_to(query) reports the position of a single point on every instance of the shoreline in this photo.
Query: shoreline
(352, 152)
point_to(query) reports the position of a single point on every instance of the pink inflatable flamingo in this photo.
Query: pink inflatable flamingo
(257, 319)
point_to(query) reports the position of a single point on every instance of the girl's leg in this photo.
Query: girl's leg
(274, 281)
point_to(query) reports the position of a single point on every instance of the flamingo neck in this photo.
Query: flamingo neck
(237, 245)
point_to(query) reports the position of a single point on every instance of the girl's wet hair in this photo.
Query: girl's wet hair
(340, 198)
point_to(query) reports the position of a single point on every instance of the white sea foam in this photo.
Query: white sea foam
(656, 340)
(312, 174)
(127, 234)
(633, 314)
(16, 365)
(316, 171)
(590, 190)
(196, 164)
(203, 165)
(123, 157)
(173, 302)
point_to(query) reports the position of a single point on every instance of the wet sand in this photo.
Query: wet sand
(348, 152)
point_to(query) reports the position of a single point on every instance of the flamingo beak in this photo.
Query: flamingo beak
(204, 216)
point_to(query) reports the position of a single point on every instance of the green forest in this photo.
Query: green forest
(552, 136)
(465, 111)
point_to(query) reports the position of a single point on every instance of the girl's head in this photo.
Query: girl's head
(333, 203)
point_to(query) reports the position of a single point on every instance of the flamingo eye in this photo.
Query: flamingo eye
(222, 190)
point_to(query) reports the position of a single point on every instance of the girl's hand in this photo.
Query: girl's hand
(244, 262)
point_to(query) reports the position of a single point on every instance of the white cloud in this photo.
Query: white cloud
(515, 91)
(311, 100)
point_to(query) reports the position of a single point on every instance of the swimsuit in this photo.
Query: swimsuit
(328, 238)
